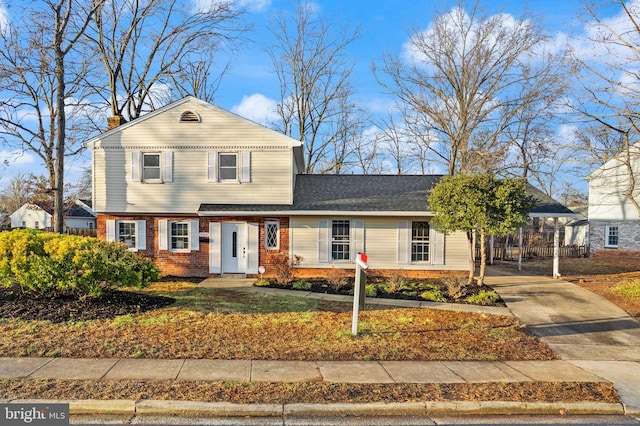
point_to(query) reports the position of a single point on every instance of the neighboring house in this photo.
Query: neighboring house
(205, 191)
(576, 232)
(614, 222)
(36, 216)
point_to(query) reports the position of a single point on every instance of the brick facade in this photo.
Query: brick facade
(628, 235)
(196, 263)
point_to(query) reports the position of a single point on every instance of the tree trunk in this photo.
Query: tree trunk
(61, 125)
(483, 257)
(472, 256)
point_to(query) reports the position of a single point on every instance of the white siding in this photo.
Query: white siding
(119, 191)
(381, 245)
(606, 186)
(30, 215)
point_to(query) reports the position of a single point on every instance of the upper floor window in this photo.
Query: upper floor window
(153, 167)
(611, 236)
(228, 167)
(189, 117)
(150, 167)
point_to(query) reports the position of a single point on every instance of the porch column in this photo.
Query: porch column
(556, 248)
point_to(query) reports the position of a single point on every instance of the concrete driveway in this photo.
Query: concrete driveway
(580, 326)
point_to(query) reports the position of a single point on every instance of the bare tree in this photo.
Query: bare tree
(609, 98)
(15, 193)
(469, 79)
(145, 46)
(315, 106)
(40, 74)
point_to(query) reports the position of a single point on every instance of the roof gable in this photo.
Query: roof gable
(213, 121)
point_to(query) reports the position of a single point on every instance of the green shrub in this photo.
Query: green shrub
(370, 290)
(434, 294)
(483, 297)
(48, 264)
(262, 282)
(630, 289)
(301, 285)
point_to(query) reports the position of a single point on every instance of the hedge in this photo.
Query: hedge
(43, 263)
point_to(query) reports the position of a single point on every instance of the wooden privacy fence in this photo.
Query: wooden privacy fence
(83, 232)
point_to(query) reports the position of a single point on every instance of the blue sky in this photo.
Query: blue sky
(250, 88)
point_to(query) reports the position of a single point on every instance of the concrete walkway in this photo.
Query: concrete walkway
(595, 340)
(581, 327)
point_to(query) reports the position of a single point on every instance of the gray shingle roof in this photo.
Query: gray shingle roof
(365, 193)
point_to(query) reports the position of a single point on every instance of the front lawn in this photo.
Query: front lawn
(225, 324)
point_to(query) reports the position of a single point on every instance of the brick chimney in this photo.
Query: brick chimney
(115, 121)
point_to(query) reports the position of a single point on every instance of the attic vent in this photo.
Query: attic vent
(189, 117)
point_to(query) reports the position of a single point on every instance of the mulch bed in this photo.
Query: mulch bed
(16, 304)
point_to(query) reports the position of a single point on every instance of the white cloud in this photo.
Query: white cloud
(254, 6)
(16, 158)
(258, 108)
(4, 17)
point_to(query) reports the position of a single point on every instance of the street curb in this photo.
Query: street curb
(428, 408)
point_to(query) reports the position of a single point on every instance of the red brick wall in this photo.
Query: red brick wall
(196, 263)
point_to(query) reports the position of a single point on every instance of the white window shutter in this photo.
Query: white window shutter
(194, 235)
(324, 230)
(167, 165)
(253, 249)
(404, 240)
(437, 247)
(212, 169)
(141, 234)
(135, 166)
(357, 238)
(215, 248)
(245, 164)
(111, 230)
(163, 237)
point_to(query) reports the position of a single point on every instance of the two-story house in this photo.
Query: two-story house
(614, 219)
(205, 191)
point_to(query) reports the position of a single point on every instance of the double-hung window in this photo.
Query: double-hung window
(151, 167)
(133, 233)
(127, 233)
(419, 241)
(340, 239)
(228, 167)
(179, 235)
(611, 236)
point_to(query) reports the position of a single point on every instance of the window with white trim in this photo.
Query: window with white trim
(419, 241)
(340, 239)
(227, 167)
(179, 235)
(611, 236)
(36, 225)
(151, 167)
(127, 233)
(271, 235)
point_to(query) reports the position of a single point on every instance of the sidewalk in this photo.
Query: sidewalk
(594, 339)
(302, 371)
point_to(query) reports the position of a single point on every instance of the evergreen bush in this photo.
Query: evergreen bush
(44, 263)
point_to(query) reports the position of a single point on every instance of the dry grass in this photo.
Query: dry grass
(321, 392)
(219, 324)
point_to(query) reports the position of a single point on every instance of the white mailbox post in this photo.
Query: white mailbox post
(359, 290)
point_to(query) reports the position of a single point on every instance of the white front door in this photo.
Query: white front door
(234, 248)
